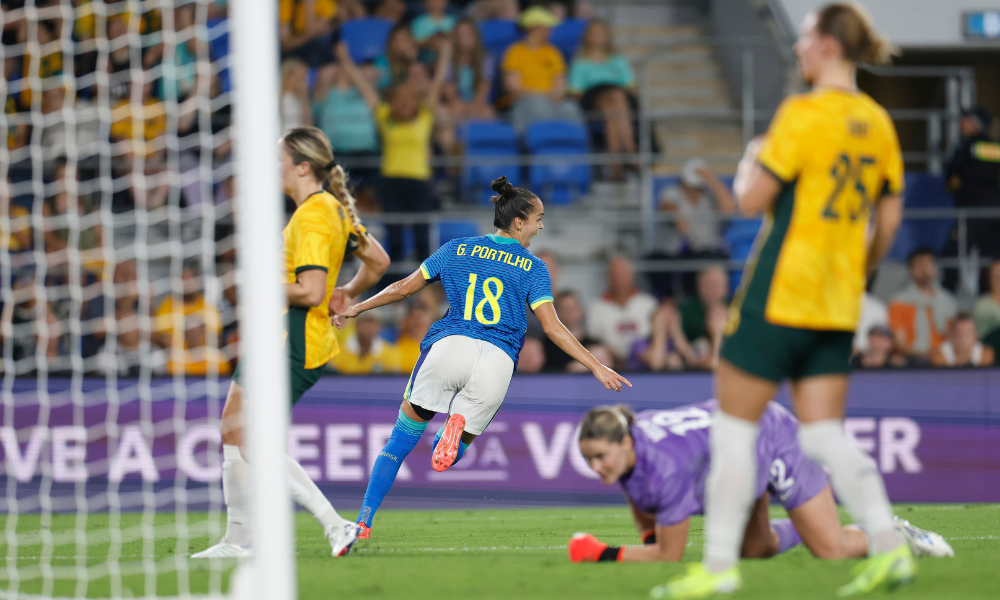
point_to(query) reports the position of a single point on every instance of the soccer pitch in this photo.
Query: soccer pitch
(508, 553)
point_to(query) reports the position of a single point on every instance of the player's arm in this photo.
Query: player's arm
(669, 547)
(756, 188)
(399, 290)
(645, 523)
(888, 217)
(309, 288)
(374, 263)
(563, 338)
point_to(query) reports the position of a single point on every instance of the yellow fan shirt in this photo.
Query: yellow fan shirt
(318, 236)
(837, 153)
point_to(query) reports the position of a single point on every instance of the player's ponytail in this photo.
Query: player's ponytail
(310, 145)
(610, 423)
(510, 203)
(851, 26)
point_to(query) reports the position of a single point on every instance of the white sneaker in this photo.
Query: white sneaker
(923, 542)
(342, 537)
(225, 550)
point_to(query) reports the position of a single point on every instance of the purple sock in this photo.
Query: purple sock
(788, 537)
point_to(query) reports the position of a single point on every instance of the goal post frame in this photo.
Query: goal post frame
(259, 215)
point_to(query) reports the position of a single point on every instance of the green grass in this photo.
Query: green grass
(506, 553)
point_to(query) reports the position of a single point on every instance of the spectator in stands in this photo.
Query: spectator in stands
(706, 347)
(712, 288)
(341, 112)
(365, 352)
(667, 349)
(19, 237)
(67, 214)
(921, 314)
(170, 318)
(873, 312)
(604, 82)
(295, 109)
(534, 74)
(153, 119)
(532, 357)
(698, 201)
(401, 52)
(434, 22)
(570, 310)
(391, 10)
(467, 91)
(405, 124)
(199, 356)
(563, 9)
(21, 312)
(482, 10)
(962, 348)
(986, 312)
(880, 351)
(412, 330)
(973, 176)
(306, 30)
(622, 316)
(54, 137)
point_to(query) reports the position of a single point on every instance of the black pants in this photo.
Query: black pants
(407, 196)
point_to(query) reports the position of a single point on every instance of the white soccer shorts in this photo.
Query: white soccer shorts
(464, 376)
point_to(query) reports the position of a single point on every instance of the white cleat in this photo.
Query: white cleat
(923, 542)
(342, 537)
(225, 550)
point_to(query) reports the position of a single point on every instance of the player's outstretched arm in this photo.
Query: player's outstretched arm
(669, 547)
(399, 290)
(563, 338)
(374, 263)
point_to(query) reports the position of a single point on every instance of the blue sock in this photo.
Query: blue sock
(788, 536)
(461, 445)
(402, 441)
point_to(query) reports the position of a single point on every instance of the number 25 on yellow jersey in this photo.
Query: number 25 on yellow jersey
(847, 175)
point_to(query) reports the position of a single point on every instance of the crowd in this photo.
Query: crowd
(161, 157)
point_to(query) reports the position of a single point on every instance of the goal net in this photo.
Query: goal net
(118, 279)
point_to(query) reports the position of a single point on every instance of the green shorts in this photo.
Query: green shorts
(776, 353)
(300, 378)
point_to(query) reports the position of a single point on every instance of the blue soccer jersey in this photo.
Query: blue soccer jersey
(488, 280)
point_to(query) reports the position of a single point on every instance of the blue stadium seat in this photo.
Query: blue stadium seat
(488, 138)
(561, 182)
(923, 191)
(365, 37)
(497, 34)
(568, 35)
(449, 230)
(218, 48)
(740, 236)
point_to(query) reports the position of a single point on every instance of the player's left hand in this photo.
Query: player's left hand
(584, 547)
(340, 318)
(610, 379)
(339, 301)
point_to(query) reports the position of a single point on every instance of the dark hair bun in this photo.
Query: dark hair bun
(501, 186)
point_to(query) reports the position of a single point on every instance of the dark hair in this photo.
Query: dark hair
(510, 203)
(851, 26)
(610, 423)
(918, 252)
(963, 316)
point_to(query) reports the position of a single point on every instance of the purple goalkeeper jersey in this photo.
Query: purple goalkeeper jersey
(672, 457)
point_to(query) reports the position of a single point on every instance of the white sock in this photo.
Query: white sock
(235, 490)
(855, 479)
(305, 492)
(729, 489)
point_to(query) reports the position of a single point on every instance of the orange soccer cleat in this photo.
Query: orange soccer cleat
(447, 449)
(366, 532)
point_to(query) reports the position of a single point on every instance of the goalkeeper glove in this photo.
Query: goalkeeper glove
(584, 547)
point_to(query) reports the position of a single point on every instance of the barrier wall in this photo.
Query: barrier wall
(934, 434)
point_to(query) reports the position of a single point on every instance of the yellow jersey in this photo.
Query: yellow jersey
(318, 236)
(836, 152)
